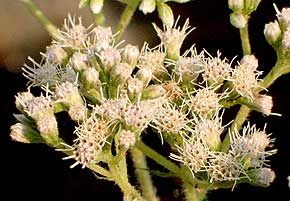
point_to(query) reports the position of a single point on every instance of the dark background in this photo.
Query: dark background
(36, 172)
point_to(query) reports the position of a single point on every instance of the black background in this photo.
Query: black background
(36, 172)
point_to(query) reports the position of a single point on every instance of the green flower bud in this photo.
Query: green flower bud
(90, 78)
(145, 75)
(236, 5)
(96, 6)
(166, 15)
(250, 5)
(153, 91)
(272, 32)
(238, 20)
(147, 6)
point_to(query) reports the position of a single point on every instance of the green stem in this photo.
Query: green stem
(161, 160)
(126, 17)
(182, 172)
(143, 175)
(246, 46)
(120, 177)
(48, 25)
(193, 194)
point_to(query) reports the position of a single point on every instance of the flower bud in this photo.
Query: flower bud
(130, 55)
(286, 40)
(236, 5)
(79, 61)
(264, 103)
(110, 57)
(147, 6)
(261, 177)
(250, 5)
(24, 133)
(250, 61)
(153, 91)
(90, 78)
(121, 73)
(96, 6)
(238, 20)
(55, 54)
(134, 86)
(166, 15)
(47, 127)
(145, 75)
(272, 32)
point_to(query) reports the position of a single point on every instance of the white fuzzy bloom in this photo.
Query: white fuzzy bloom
(171, 120)
(73, 35)
(173, 91)
(251, 144)
(224, 167)
(264, 103)
(172, 37)
(205, 101)
(216, 70)
(153, 59)
(193, 154)
(245, 80)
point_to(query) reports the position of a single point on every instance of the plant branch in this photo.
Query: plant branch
(45, 22)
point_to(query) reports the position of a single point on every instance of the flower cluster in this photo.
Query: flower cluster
(114, 92)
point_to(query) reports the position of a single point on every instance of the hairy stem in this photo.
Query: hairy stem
(119, 174)
(126, 17)
(143, 175)
(45, 22)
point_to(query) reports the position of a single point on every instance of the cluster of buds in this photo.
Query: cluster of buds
(277, 33)
(241, 11)
(115, 92)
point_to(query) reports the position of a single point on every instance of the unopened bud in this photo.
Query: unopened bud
(110, 57)
(264, 103)
(55, 54)
(96, 6)
(261, 177)
(147, 6)
(165, 14)
(130, 55)
(250, 61)
(24, 133)
(236, 5)
(121, 73)
(251, 5)
(272, 32)
(238, 20)
(286, 40)
(145, 75)
(134, 86)
(153, 91)
(79, 61)
(90, 78)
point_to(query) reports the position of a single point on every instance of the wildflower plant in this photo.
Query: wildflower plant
(117, 93)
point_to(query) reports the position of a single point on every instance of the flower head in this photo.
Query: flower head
(173, 37)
